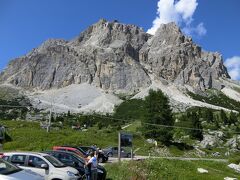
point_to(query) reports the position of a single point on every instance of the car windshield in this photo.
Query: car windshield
(81, 151)
(7, 168)
(79, 158)
(56, 163)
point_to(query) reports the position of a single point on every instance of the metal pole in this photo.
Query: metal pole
(49, 121)
(132, 153)
(119, 147)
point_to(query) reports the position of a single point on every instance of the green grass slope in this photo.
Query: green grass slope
(30, 137)
(156, 169)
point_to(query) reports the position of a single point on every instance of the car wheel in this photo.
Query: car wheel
(110, 155)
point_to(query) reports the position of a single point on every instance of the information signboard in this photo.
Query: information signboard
(126, 139)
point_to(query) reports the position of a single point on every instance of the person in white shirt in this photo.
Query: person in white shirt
(93, 162)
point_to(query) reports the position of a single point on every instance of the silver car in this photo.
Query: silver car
(9, 171)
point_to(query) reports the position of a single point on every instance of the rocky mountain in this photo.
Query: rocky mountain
(116, 59)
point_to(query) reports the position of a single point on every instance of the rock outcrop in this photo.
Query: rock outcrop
(174, 57)
(117, 58)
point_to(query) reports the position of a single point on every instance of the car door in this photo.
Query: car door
(34, 164)
(123, 153)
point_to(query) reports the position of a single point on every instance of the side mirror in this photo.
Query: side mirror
(44, 166)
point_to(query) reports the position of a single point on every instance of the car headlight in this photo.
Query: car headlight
(71, 174)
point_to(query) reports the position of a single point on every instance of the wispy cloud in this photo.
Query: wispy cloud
(233, 66)
(180, 12)
(199, 30)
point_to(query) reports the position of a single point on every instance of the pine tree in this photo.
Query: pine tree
(197, 133)
(208, 115)
(223, 117)
(158, 112)
(232, 118)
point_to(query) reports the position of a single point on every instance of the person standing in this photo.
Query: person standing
(93, 162)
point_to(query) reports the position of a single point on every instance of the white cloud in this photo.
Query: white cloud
(186, 9)
(233, 66)
(200, 30)
(180, 12)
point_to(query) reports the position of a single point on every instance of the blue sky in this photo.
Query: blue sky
(25, 24)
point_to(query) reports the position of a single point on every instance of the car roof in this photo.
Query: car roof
(59, 151)
(65, 147)
(65, 152)
(76, 147)
(25, 153)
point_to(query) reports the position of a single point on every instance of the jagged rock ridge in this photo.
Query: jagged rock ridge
(117, 58)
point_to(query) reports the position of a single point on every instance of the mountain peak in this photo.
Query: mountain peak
(114, 34)
(118, 57)
(172, 27)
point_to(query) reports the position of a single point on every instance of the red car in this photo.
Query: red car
(70, 149)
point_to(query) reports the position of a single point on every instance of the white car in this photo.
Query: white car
(9, 171)
(45, 165)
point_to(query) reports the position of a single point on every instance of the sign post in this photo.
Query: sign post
(119, 146)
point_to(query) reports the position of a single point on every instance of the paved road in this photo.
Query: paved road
(114, 160)
(186, 159)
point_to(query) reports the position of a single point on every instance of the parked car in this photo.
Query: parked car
(75, 150)
(73, 160)
(113, 152)
(43, 164)
(101, 156)
(9, 171)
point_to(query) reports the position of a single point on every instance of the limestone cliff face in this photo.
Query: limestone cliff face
(118, 58)
(174, 57)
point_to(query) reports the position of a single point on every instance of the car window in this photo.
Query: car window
(34, 161)
(5, 158)
(56, 155)
(55, 162)
(63, 157)
(82, 151)
(69, 159)
(66, 159)
(18, 159)
(84, 148)
(76, 151)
